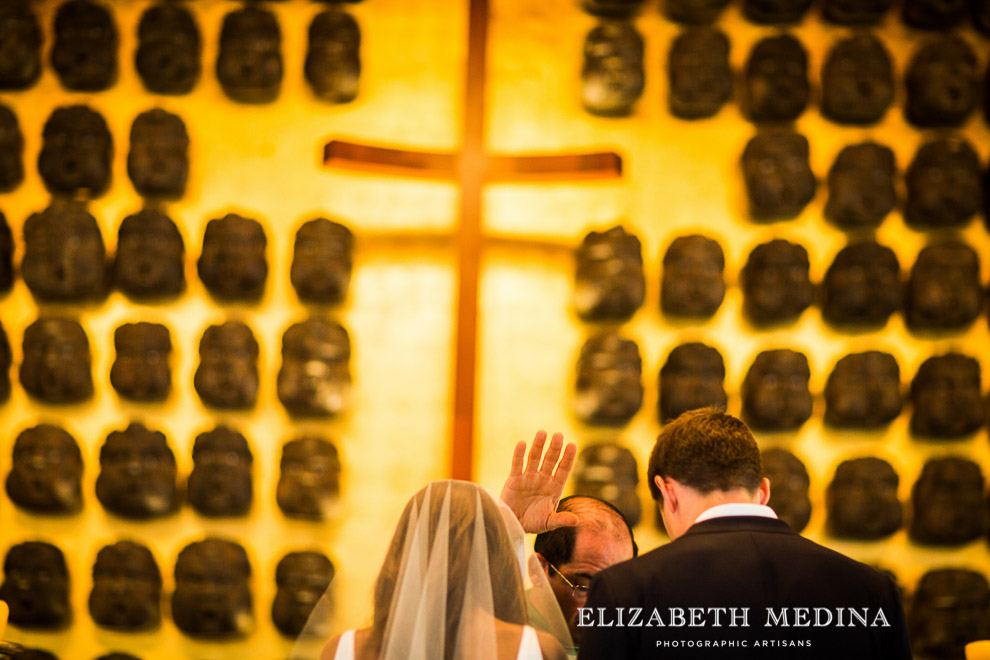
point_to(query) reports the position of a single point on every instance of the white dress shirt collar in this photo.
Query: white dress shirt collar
(736, 509)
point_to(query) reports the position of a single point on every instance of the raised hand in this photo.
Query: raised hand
(532, 493)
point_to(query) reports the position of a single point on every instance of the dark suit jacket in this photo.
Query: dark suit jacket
(744, 562)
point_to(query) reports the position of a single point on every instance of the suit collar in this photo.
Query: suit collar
(739, 524)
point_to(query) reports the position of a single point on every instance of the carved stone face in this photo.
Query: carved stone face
(612, 8)
(981, 17)
(56, 366)
(692, 283)
(863, 391)
(11, 148)
(322, 261)
(857, 81)
(944, 289)
(855, 12)
(695, 11)
(948, 503)
(150, 256)
(64, 255)
(776, 84)
(776, 283)
(934, 14)
(610, 283)
(220, 482)
(137, 474)
(609, 380)
(249, 65)
(76, 152)
(609, 472)
(227, 376)
(233, 264)
(36, 586)
(46, 471)
(692, 377)
(699, 72)
(950, 608)
(775, 11)
(127, 588)
(862, 286)
(861, 186)
(861, 502)
(612, 75)
(5, 361)
(20, 46)
(212, 597)
(310, 481)
(946, 397)
(84, 54)
(302, 578)
(775, 391)
(941, 83)
(779, 181)
(118, 656)
(169, 49)
(141, 371)
(333, 60)
(943, 184)
(158, 162)
(315, 377)
(789, 483)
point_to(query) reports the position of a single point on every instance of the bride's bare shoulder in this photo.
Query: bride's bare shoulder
(361, 636)
(551, 648)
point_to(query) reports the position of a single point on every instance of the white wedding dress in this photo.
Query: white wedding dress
(529, 646)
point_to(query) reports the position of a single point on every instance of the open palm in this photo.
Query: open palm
(532, 492)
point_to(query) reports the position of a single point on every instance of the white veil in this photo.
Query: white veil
(454, 578)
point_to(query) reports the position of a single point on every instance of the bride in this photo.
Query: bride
(452, 586)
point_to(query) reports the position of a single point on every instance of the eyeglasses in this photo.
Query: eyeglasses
(578, 591)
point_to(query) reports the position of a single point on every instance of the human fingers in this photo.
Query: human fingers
(566, 462)
(536, 451)
(553, 453)
(518, 455)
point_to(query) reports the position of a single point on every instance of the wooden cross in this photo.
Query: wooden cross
(471, 168)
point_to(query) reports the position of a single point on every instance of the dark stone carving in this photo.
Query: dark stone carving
(943, 184)
(6, 358)
(36, 586)
(212, 597)
(233, 264)
(934, 14)
(301, 578)
(249, 65)
(861, 186)
(6, 259)
(227, 376)
(768, 12)
(158, 162)
(64, 255)
(950, 608)
(610, 284)
(137, 477)
(694, 11)
(333, 58)
(947, 500)
(322, 261)
(776, 283)
(775, 391)
(84, 53)
(220, 482)
(692, 282)
(862, 285)
(941, 81)
(779, 181)
(775, 87)
(309, 484)
(46, 472)
(699, 73)
(150, 256)
(946, 397)
(20, 34)
(56, 366)
(11, 149)
(141, 371)
(857, 81)
(118, 656)
(21, 653)
(981, 21)
(863, 391)
(855, 12)
(789, 483)
(612, 75)
(609, 472)
(315, 377)
(861, 501)
(609, 388)
(76, 151)
(692, 377)
(127, 588)
(170, 49)
(612, 8)
(944, 289)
